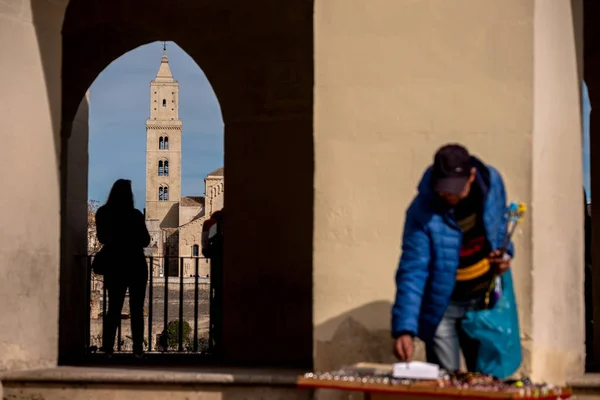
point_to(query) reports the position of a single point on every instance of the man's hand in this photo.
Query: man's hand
(404, 348)
(499, 261)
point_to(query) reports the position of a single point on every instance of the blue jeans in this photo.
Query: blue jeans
(449, 339)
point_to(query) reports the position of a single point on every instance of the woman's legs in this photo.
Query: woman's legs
(137, 295)
(116, 297)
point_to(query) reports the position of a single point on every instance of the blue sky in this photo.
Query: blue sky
(586, 141)
(119, 107)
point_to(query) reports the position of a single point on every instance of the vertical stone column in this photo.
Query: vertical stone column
(73, 277)
(30, 69)
(557, 314)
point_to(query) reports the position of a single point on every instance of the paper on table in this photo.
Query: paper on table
(416, 370)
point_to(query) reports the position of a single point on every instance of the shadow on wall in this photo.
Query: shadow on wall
(352, 341)
(172, 217)
(47, 18)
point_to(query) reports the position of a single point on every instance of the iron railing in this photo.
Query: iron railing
(179, 310)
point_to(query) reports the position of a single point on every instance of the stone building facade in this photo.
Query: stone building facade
(174, 221)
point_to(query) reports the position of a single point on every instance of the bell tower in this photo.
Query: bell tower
(163, 148)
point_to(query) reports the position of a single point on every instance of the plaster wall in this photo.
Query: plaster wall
(393, 82)
(30, 124)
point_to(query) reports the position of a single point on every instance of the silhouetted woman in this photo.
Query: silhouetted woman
(122, 230)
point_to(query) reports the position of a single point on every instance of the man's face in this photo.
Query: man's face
(454, 199)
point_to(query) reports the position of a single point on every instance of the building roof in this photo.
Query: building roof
(217, 172)
(164, 72)
(191, 201)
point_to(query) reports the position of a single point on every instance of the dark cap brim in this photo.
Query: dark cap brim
(452, 185)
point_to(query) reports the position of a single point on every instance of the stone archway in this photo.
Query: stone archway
(258, 57)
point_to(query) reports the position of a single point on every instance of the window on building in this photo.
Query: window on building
(164, 102)
(161, 143)
(166, 193)
(160, 168)
(166, 168)
(195, 250)
(166, 143)
(160, 193)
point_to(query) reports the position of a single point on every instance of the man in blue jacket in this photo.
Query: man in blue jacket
(452, 232)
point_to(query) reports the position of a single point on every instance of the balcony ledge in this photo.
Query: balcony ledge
(589, 381)
(156, 376)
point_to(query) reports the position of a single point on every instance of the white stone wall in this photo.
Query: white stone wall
(188, 213)
(215, 194)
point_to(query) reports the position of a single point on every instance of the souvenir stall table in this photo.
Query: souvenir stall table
(378, 383)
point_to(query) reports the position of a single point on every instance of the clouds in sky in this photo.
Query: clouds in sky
(119, 107)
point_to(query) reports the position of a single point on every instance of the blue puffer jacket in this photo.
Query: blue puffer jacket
(430, 251)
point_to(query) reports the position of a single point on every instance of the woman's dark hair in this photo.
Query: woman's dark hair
(121, 195)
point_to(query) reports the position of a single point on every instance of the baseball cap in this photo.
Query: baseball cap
(451, 169)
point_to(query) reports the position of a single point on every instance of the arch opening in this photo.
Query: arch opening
(268, 136)
(119, 108)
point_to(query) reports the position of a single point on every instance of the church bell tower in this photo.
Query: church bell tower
(163, 148)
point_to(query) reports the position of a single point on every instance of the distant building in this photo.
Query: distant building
(589, 208)
(174, 221)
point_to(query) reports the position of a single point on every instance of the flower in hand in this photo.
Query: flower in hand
(500, 261)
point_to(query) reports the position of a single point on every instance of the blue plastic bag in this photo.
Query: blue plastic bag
(497, 330)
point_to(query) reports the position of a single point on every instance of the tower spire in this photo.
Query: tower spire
(164, 56)
(164, 72)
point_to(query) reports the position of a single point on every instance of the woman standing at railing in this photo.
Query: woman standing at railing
(122, 230)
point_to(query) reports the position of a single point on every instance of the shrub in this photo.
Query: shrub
(170, 338)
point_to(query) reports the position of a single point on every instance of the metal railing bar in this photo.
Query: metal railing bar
(150, 302)
(181, 304)
(166, 304)
(196, 305)
(88, 299)
(190, 284)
